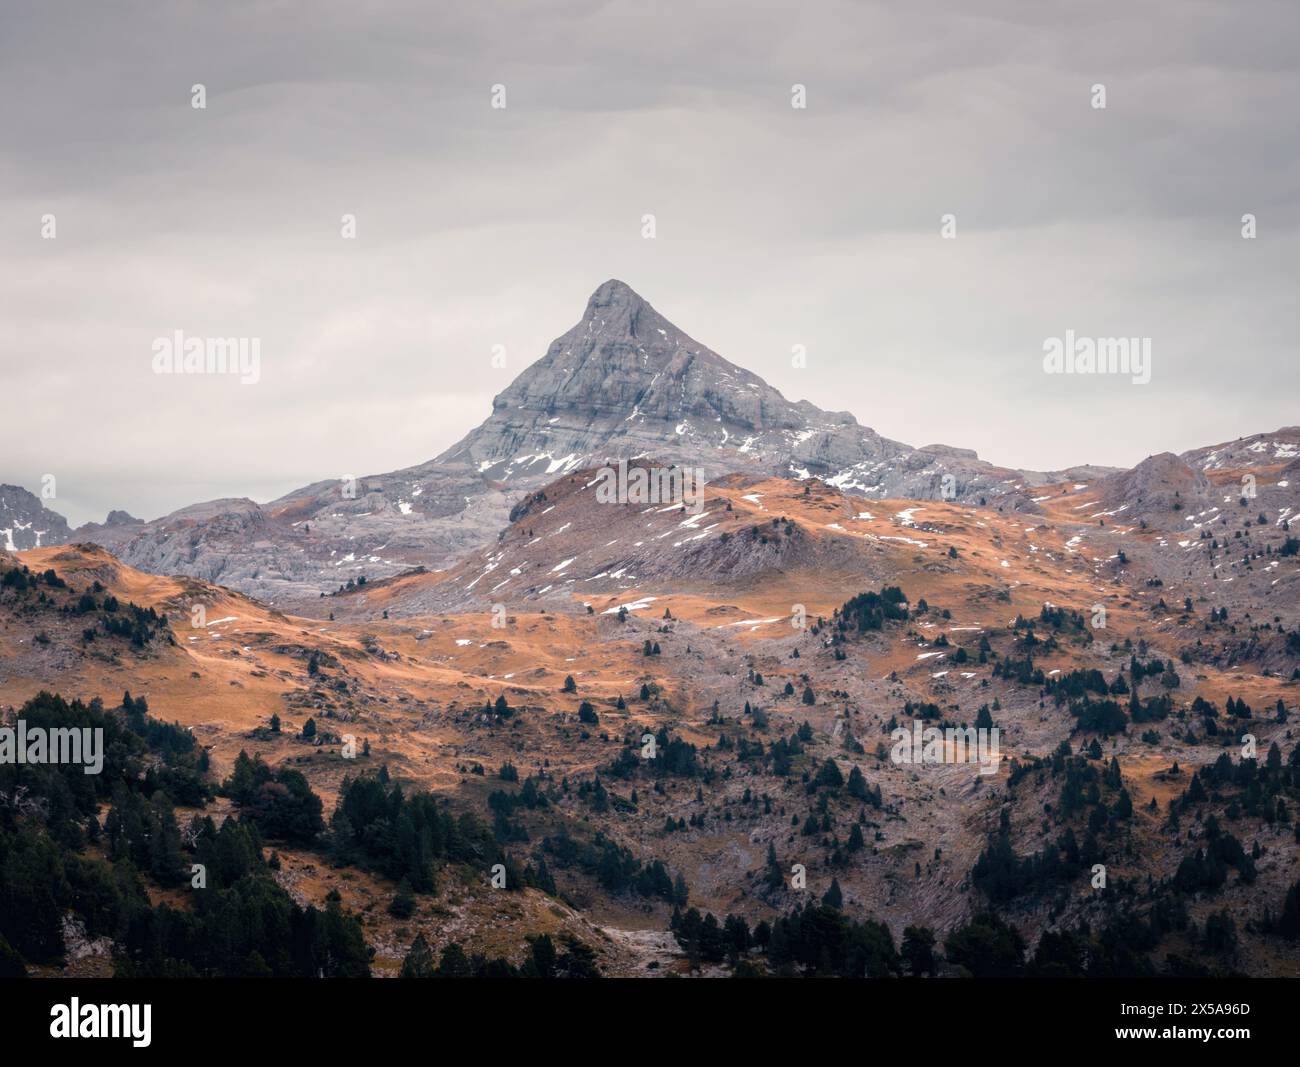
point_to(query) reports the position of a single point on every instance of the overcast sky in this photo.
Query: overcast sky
(775, 226)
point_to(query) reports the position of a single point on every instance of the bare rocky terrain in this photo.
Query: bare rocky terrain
(410, 663)
(498, 636)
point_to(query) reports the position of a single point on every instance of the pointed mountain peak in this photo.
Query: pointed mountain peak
(625, 381)
(614, 293)
(616, 310)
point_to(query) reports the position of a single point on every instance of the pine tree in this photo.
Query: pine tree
(454, 963)
(857, 784)
(774, 874)
(918, 950)
(833, 897)
(402, 906)
(1289, 924)
(829, 776)
(543, 956)
(419, 959)
(1124, 805)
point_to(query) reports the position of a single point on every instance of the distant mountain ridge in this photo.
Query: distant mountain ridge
(624, 382)
(25, 521)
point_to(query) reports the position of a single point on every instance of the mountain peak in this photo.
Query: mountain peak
(25, 521)
(614, 293)
(617, 312)
(624, 367)
(625, 381)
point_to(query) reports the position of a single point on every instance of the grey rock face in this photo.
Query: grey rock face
(627, 380)
(626, 383)
(622, 383)
(115, 524)
(1159, 487)
(1257, 450)
(25, 522)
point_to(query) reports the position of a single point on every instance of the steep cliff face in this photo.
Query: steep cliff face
(627, 381)
(25, 522)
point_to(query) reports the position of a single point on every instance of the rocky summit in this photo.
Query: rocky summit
(626, 383)
(623, 383)
(25, 522)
